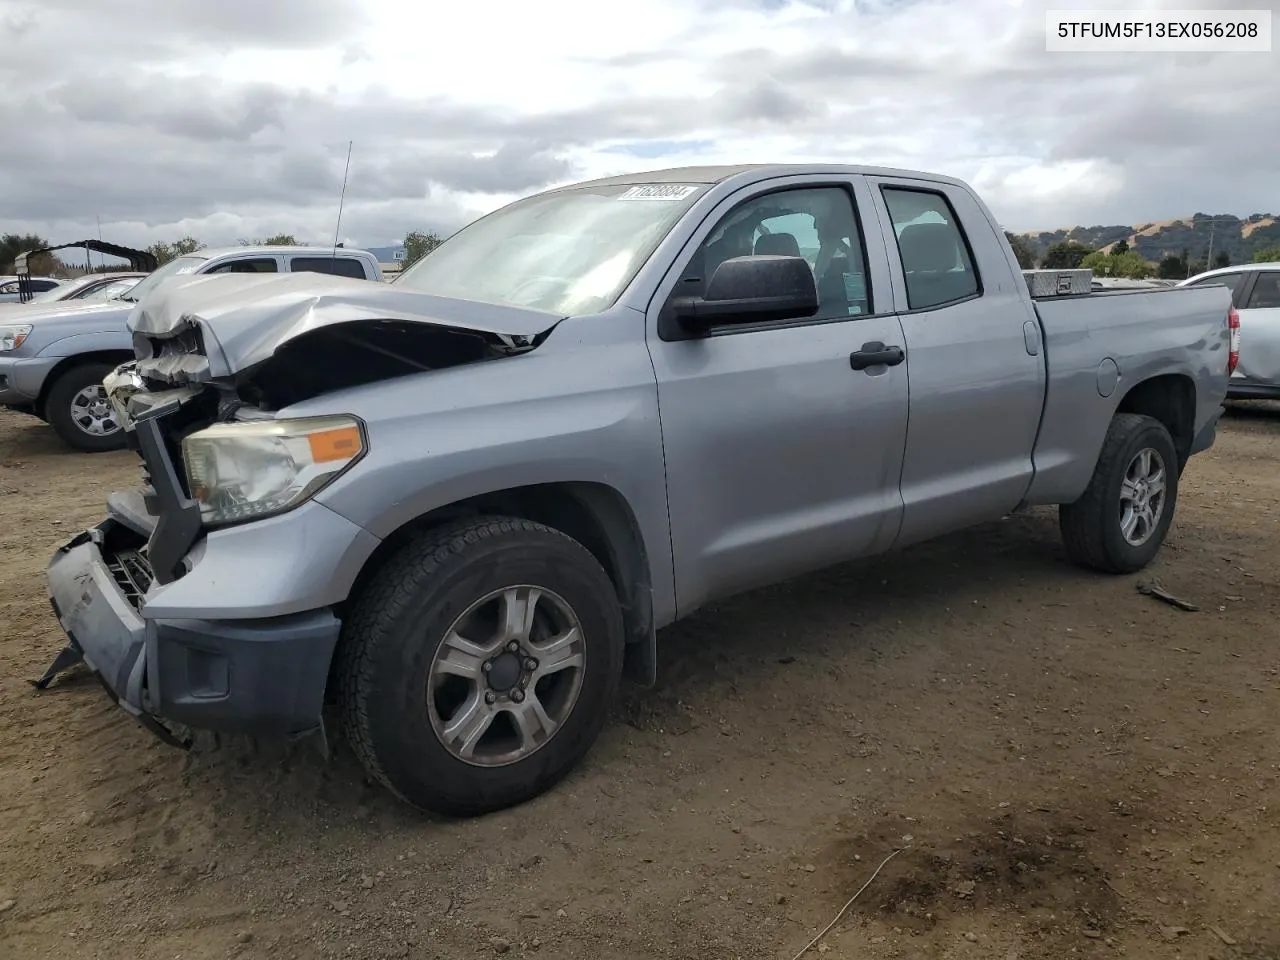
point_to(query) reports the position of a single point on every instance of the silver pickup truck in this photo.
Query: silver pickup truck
(458, 508)
(54, 356)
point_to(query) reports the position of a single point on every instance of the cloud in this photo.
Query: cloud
(228, 120)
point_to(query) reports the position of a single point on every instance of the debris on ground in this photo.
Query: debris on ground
(1222, 935)
(1159, 593)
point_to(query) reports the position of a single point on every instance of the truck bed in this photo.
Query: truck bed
(1097, 346)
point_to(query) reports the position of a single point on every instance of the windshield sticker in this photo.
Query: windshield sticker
(659, 191)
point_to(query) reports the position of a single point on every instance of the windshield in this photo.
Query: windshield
(568, 252)
(112, 291)
(171, 269)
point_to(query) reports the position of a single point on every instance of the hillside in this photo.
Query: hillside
(1239, 238)
(386, 254)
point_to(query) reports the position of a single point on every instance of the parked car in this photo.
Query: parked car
(90, 287)
(1255, 292)
(459, 506)
(54, 356)
(9, 292)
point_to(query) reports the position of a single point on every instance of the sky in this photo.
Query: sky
(230, 119)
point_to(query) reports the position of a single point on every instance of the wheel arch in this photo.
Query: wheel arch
(594, 514)
(1171, 399)
(76, 360)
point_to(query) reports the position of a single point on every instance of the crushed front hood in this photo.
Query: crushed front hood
(249, 317)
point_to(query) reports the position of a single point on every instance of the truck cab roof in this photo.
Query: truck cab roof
(752, 172)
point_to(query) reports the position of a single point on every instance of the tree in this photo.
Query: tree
(1265, 255)
(1195, 267)
(278, 240)
(1132, 265)
(1119, 247)
(418, 245)
(12, 244)
(1022, 250)
(1128, 264)
(1065, 256)
(1099, 263)
(1172, 268)
(164, 252)
(1221, 259)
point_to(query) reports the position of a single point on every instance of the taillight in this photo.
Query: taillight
(1233, 355)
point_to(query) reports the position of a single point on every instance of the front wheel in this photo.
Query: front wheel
(477, 666)
(1121, 521)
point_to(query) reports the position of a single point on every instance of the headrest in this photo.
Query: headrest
(778, 245)
(929, 247)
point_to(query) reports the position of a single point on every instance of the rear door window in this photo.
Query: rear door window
(253, 265)
(936, 262)
(109, 291)
(1266, 291)
(337, 266)
(81, 292)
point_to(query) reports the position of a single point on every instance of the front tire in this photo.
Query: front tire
(477, 666)
(1121, 521)
(79, 412)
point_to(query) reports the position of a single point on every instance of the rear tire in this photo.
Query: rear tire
(441, 610)
(81, 416)
(1108, 529)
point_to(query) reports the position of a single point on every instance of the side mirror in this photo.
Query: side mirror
(752, 289)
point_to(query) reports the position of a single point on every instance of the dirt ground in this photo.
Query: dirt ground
(1067, 767)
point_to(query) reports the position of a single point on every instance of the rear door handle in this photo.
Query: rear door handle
(876, 354)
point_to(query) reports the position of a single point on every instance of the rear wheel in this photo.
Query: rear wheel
(478, 665)
(79, 412)
(1121, 521)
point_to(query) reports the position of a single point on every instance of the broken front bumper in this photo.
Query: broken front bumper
(261, 677)
(227, 630)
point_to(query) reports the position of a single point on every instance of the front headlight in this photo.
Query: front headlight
(12, 335)
(251, 469)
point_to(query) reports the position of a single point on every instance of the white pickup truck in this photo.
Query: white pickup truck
(53, 357)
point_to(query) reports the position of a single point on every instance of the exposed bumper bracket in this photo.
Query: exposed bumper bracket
(164, 733)
(67, 658)
(178, 516)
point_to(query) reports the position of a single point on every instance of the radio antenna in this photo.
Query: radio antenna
(341, 200)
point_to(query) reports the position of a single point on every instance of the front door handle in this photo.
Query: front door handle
(876, 354)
